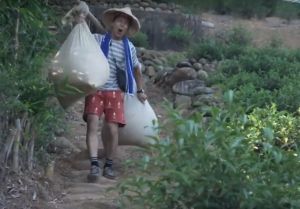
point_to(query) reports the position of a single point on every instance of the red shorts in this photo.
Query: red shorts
(111, 103)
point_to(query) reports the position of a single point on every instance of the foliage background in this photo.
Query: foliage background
(27, 46)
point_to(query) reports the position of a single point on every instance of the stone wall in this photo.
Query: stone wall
(156, 19)
(156, 25)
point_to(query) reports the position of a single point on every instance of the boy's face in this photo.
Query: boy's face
(120, 26)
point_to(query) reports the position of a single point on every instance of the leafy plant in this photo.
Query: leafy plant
(207, 48)
(140, 40)
(262, 76)
(283, 128)
(25, 91)
(180, 34)
(175, 57)
(211, 164)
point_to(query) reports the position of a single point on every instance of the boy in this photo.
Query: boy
(121, 53)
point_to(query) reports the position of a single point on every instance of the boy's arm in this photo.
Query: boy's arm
(99, 27)
(139, 83)
(81, 11)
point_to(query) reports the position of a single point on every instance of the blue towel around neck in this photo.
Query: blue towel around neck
(105, 43)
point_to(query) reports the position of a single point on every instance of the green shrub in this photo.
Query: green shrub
(262, 76)
(238, 36)
(207, 48)
(288, 97)
(175, 57)
(212, 165)
(25, 92)
(233, 51)
(180, 34)
(140, 39)
(283, 127)
(276, 42)
(288, 10)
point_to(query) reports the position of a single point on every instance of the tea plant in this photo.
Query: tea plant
(212, 163)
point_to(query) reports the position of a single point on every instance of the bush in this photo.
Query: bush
(25, 92)
(211, 165)
(238, 36)
(288, 10)
(175, 57)
(262, 76)
(180, 35)
(282, 127)
(140, 39)
(207, 48)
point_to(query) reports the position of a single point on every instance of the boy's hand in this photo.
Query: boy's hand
(142, 97)
(80, 11)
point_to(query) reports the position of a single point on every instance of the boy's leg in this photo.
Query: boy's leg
(92, 145)
(111, 148)
(104, 137)
(114, 117)
(92, 111)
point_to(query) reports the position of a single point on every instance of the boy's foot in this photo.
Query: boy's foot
(93, 176)
(109, 173)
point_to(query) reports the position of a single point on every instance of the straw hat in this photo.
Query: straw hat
(108, 17)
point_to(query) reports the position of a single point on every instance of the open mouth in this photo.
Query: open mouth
(120, 30)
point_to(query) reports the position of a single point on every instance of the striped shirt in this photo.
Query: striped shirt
(116, 57)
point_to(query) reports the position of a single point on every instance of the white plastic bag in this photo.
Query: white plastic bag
(141, 123)
(79, 67)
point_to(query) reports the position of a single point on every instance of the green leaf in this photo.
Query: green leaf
(268, 133)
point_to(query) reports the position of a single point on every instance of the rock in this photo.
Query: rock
(145, 56)
(148, 63)
(208, 24)
(203, 61)
(182, 101)
(204, 100)
(181, 74)
(59, 132)
(163, 6)
(136, 5)
(192, 61)
(145, 4)
(198, 66)
(202, 75)
(157, 61)
(183, 64)
(177, 11)
(61, 145)
(50, 170)
(202, 90)
(149, 9)
(186, 87)
(150, 71)
(159, 68)
(169, 69)
(163, 59)
(207, 67)
(160, 75)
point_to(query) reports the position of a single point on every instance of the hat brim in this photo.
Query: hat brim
(109, 15)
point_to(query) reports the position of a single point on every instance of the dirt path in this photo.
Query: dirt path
(72, 171)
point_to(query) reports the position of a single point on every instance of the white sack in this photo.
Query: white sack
(139, 126)
(79, 63)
